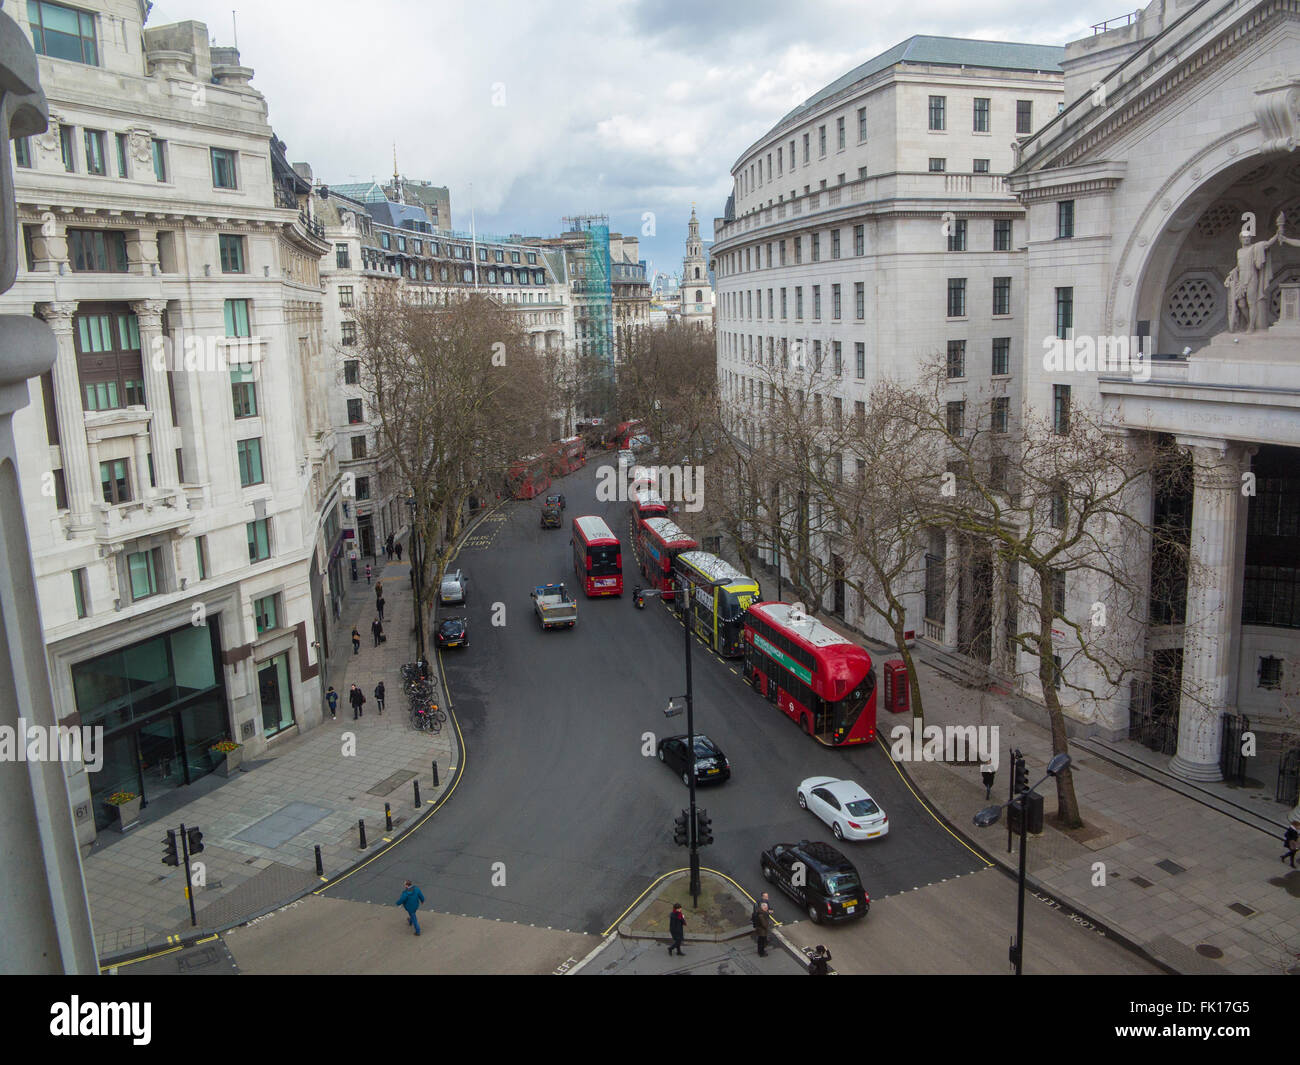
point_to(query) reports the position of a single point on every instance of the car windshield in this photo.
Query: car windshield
(863, 807)
(704, 748)
(842, 883)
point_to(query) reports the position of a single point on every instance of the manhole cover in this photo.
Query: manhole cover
(1242, 908)
(1170, 867)
(1205, 950)
(1142, 881)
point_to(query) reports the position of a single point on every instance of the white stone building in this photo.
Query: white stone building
(175, 505)
(696, 290)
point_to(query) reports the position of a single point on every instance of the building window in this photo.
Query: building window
(142, 570)
(62, 32)
(266, 613)
(401, 243)
(1270, 667)
(1001, 356)
(237, 318)
(1024, 116)
(66, 149)
(835, 302)
(115, 480)
(956, 359)
(385, 241)
(937, 106)
(1064, 313)
(798, 303)
(348, 333)
(1002, 295)
(358, 447)
(201, 556)
(259, 540)
(798, 250)
(352, 372)
(1064, 219)
(956, 297)
(979, 166)
(482, 255)
(345, 295)
(783, 303)
(159, 149)
(1002, 234)
(817, 302)
(1001, 414)
(956, 418)
(96, 154)
(363, 487)
(232, 253)
(859, 240)
(342, 258)
(838, 359)
(860, 300)
(835, 243)
(998, 472)
(816, 239)
(109, 361)
(79, 592)
(250, 461)
(97, 251)
(937, 165)
(1060, 409)
(244, 392)
(1057, 506)
(860, 357)
(1058, 592)
(23, 152)
(223, 168)
(821, 141)
(957, 234)
(981, 116)
(839, 133)
(355, 415)
(862, 124)
(805, 148)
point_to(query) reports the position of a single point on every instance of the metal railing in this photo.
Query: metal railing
(1116, 23)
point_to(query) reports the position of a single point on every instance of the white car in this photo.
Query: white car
(845, 806)
(453, 588)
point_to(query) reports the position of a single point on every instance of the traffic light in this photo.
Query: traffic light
(703, 828)
(170, 856)
(1020, 773)
(195, 839)
(680, 835)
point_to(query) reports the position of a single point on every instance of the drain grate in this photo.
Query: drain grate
(1141, 881)
(1242, 908)
(1207, 950)
(1170, 867)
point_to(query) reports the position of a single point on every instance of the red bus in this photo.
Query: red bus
(820, 680)
(661, 542)
(567, 455)
(529, 477)
(597, 557)
(624, 433)
(647, 504)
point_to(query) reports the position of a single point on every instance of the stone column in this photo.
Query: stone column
(951, 587)
(1213, 605)
(78, 477)
(152, 350)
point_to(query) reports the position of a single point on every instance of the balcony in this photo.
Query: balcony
(162, 510)
(310, 225)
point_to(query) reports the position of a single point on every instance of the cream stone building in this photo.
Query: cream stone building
(696, 291)
(178, 462)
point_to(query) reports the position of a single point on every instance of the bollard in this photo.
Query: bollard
(388, 817)
(361, 824)
(320, 867)
(435, 772)
(417, 792)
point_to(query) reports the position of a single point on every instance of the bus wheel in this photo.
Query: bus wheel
(807, 724)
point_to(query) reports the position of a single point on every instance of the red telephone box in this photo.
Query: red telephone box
(896, 693)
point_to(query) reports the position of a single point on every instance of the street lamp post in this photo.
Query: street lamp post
(990, 816)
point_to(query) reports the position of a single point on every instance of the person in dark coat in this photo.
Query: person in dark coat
(1291, 837)
(332, 697)
(379, 605)
(410, 900)
(379, 695)
(358, 699)
(356, 641)
(988, 774)
(762, 920)
(677, 928)
(376, 630)
(398, 548)
(819, 963)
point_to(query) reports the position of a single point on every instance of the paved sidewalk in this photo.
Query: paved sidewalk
(262, 825)
(1181, 872)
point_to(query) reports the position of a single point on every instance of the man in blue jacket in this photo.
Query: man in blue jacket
(410, 900)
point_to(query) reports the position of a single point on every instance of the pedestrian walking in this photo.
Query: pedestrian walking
(762, 921)
(819, 963)
(379, 590)
(410, 900)
(398, 548)
(677, 928)
(377, 631)
(1291, 837)
(367, 572)
(356, 641)
(379, 603)
(358, 699)
(987, 773)
(379, 695)
(332, 697)
(352, 558)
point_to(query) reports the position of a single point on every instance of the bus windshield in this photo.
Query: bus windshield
(849, 709)
(604, 560)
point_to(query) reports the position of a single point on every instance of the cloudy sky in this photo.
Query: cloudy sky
(629, 108)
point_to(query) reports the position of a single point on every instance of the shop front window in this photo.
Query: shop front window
(273, 682)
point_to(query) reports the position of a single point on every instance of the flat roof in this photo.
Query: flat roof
(809, 628)
(667, 530)
(594, 528)
(718, 570)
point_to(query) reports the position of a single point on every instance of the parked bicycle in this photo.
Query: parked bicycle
(427, 717)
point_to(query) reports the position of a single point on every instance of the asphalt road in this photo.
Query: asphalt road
(562, 818)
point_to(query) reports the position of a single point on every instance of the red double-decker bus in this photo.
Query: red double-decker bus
(597, 557)
(625, 432)
(529, 477)
(567, 456)
(661, 542)
(647, 504)
(820, 680)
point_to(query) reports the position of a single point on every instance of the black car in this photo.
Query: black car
(550, 515)
(555, 497)
(453, 632)
(711, 765)
(819, 878)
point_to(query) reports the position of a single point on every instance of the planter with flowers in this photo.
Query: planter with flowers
(127, 804)
(230, 753)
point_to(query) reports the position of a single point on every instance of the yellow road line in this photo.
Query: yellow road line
(674, 872)
(923, 804)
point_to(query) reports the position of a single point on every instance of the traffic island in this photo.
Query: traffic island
(723, 913)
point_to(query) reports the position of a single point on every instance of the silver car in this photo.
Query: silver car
(453, 588)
